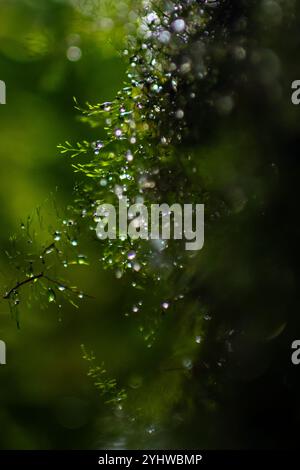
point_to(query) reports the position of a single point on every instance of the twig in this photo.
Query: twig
(39, 276)
(22, 283)
(71, 289)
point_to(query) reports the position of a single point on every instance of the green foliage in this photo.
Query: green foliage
(106, 386)
(39, 258)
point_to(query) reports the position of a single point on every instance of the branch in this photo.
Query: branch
(22, 283)
(39, 276)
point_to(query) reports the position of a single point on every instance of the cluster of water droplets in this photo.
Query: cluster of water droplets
(175, 61)
(144, 124)
(176, 83)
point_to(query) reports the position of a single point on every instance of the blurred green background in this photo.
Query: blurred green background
(50, 52)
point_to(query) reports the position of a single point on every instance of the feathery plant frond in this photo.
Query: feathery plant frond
(106, 386)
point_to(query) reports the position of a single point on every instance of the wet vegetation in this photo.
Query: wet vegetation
(204, 116)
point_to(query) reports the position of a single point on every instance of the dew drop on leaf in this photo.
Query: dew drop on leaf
(51, 295)
(57, 236)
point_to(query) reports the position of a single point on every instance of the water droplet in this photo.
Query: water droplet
(74, 53)
(137, 267)
(151, 429)
(99, 145)
(129, 156)
(61, 288)
(187, 363)
(164, 37)
(151, 17)
(165, 305)
(178, 25)
(57, 236)
(82, 260)
(74, 242)
(107, 106)
(118, 133)
(198, 339)
(179, 114)
(131, 255)
(119, 273)
(51, 295)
